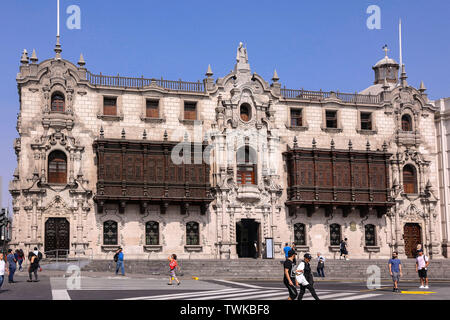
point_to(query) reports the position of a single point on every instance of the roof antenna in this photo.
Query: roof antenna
(58, 49)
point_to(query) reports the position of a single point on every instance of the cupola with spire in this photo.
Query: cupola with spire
(386, 68)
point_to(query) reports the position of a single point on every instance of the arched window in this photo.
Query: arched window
(299, 234)
(335, 234)
(58, 102)
(246, 165)
(192, 234)
(409, 179)
(245, 112)
(370, 236)
(152, 233)
(406, 123)
(57, 167)
(110, 233)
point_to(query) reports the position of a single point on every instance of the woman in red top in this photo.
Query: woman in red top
(173, 265)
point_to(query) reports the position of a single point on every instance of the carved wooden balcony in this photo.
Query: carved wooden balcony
(141, 171)
(332, 179)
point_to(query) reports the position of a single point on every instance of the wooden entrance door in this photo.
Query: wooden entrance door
(412, 236)
(57, 233)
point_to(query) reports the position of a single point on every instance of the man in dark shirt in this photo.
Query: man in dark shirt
(289, 278)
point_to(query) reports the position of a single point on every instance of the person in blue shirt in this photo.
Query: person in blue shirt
(12, 264)
(395, 269)
(286, 249)
(120, 264)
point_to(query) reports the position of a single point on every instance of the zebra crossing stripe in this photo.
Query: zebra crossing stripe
(60, 295)
(185, 295)
(329, 296)
(240, 293)
(357, 297)
(241, 284)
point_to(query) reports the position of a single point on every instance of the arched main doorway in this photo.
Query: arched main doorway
(57, 237)
(247, 234)
(412, 235)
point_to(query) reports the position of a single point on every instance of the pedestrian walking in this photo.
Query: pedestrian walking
(294, 247)
(289, 275)
(173, 266)
(304, 277)
(343, 249)
(38, 254)
(33, 267)
(286, 249)
(395, 269)
(118, 258)
(422, 263)
(20, 258)
(12, 265)
(320, 265)
(2, 269)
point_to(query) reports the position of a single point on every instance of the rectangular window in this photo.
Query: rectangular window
(190, 110)
(331, 118)
(109, 106)
(296, 118)
(152, 109)
(366, 121)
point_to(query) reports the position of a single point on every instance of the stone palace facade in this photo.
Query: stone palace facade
(213, 169)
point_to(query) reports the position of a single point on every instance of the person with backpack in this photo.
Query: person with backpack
(173, 266)
(304, 277)
(33, 267)
(320, 265)
(422, 263)
(118, 258)
(38, 254)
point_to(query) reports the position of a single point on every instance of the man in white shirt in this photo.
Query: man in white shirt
(304, 277)
(2, 269)
(422, 263)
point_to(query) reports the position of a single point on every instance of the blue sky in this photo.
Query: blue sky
(312, 44)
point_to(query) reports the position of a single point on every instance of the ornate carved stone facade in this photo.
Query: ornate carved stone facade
(236, 196)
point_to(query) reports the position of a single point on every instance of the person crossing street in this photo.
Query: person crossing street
(305, 278)
(395, 269)
(289, 276)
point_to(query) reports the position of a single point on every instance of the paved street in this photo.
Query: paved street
(96, 286)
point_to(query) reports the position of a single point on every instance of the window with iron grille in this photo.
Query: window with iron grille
(299, 234)
(152, 233)
(58, 102)
(409, 179)
(190, 110)
(110, 233)
(109, 106)
(335, 234)
(331, 118)
(366, 121)
(152, 108)
(192, 233)
(370, 235)
(406, 123)
(296, 118)
(57, 167)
